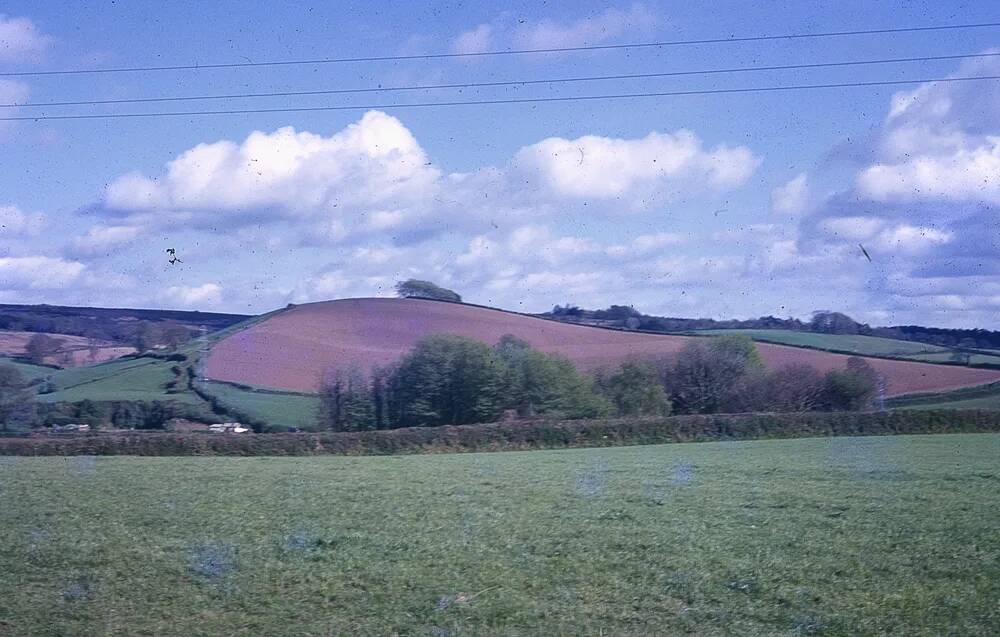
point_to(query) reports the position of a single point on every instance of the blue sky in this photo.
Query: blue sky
(715, 205)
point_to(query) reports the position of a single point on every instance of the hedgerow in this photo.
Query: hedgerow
(513, 435)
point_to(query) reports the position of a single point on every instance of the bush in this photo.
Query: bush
(635, 389)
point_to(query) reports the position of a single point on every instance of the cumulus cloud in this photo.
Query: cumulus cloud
(373, 179)
(103, 239)
(21, 39)
(941, 141)
(966, 174)
(792, 198)
(15, 222)
(640, 172)
(38, 273)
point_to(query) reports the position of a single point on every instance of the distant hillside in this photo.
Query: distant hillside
(292, 348)
(117, 325)
(969, 341)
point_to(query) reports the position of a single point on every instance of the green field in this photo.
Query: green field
(277, 409)
(848, 343)
(122, 379)
(29, 371)
(839, 536)
(979, 397)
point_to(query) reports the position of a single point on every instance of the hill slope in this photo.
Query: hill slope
(291, 349)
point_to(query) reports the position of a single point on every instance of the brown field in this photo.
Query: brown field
(292, 349)
(74, 351)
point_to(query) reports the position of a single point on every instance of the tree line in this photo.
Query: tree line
(452, 380)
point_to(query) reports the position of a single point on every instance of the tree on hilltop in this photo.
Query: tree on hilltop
(425, 290)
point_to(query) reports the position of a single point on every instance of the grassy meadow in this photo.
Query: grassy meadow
(279, 409)
(835, 536)
(846, 343)
(860, 345)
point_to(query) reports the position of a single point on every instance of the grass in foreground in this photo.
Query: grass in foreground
(840, 536)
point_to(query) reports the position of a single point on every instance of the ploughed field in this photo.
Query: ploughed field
(291, 349)
(838, 536)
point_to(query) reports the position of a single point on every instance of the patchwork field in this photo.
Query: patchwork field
(861, 345)
(292, 348)
(841, 536)
(73, 350)
(127, 379)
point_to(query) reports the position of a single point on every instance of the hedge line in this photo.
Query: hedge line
(513, 435)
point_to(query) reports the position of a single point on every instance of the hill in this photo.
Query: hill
(292, 348)
(118, 325)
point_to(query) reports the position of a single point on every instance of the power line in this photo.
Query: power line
(563, 80)
(527, 100)
(565, 49)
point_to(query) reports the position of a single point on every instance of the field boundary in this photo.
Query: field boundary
(514, 436)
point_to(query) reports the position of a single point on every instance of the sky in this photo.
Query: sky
(716, 205)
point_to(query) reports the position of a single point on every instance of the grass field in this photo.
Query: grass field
(861, 345)
(125, 379)
(29, 371)
(840, 536)
(982, 397)
(277, 409)
(847, 343)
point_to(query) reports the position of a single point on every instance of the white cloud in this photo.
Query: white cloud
(15, 222)
(38, 273)
(971, 174)
(605, 26)
(373, 179)
(640, 171)
(912, 239)
(645, 244)
(940, 142)
(206, 295)
(476, 40)
(853, 228)
(20, 39)
(373, 164)
(791, 198)
(103, 239)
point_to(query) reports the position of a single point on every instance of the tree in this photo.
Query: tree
(795, 387)
(147, 336)
(174, 334)
(425, 290)
(712, 375)
(833, 323)
(17, 410)
(539, 384)
(850, 389)
(635, 389)
(40, 347)
(448, 380)
(345, 401)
